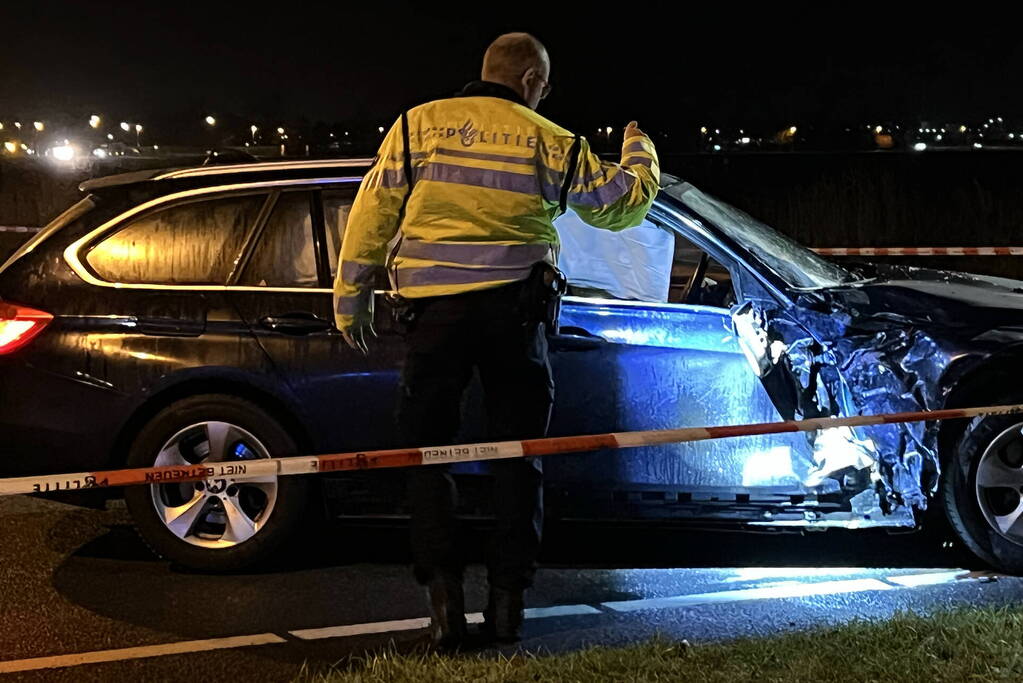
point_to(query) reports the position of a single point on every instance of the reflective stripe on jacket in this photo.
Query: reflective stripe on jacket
(487, 179)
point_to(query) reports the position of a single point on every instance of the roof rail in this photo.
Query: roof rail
(263, 166)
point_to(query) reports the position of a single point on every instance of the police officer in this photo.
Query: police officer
(458, 206)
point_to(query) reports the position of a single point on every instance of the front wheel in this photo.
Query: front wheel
(219, 525)
(982, 489)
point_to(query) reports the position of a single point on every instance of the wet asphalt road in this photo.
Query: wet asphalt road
(78, 581)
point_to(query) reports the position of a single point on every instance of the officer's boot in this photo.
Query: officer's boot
(502, 619)
(447, 611)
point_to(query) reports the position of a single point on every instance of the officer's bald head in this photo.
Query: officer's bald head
(519, 61)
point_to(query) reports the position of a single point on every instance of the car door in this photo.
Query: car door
(283, 291)
(624, 365)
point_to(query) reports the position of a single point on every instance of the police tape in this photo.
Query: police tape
(248, 470)
(919, 251)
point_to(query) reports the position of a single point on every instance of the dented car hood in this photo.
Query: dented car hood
(931, 297)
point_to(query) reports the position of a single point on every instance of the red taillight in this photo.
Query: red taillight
(19, 324)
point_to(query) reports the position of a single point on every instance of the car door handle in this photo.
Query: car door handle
(296, 323)
(575, 339)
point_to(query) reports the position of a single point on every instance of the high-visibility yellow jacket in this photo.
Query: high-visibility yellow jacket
(487, 177)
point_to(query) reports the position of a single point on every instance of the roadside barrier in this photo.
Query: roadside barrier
(919, 251)
(411, 457)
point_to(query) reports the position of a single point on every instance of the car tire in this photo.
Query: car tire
(993, 447)
(191, 541)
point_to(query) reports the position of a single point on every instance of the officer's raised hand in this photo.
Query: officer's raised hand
(632, 130)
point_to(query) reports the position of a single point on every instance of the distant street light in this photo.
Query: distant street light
(17, 124)
(138, 134)
(94, 121)
(210, 121)
(63, 152)
(792, 130)
(253, 128)
(703, 130)
(38, 125)
(380, 129)
(125, 126)
(110, 136)
(608, 131)
(280, 131)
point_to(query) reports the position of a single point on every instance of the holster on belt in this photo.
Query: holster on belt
(543, 291)
(403, 311)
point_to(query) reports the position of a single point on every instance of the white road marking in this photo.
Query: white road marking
(794, 590)
(362, 629)
(930, 578)
(102, 656)
(424, 622)
(560, 611)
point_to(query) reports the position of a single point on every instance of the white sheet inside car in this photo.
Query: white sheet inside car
(631, 264)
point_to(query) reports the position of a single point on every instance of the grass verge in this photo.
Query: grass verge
(960, 645)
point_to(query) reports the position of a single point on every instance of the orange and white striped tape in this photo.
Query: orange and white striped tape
(919, 251)
(410, 457)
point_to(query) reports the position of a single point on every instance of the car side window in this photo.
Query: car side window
(632, 265)
(698, 278)
(337, 204)
(194, 243)
(284, 255)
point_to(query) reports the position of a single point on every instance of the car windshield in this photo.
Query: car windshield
(793, 262)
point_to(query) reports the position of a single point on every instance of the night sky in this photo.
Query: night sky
(329, 62)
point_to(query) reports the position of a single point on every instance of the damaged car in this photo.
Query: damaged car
(185, 317)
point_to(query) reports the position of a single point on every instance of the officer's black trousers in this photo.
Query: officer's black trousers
(489, 331)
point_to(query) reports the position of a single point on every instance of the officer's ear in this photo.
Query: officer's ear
(527, 77)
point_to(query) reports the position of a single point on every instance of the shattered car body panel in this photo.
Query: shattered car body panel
(879, 342)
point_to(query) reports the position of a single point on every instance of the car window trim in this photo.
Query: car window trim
(73, 253)
(319, 229)
(632, 303)
(252, 237)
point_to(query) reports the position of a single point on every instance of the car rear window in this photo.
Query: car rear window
(185, 244)
(70, 215)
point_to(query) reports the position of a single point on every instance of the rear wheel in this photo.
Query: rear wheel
(982, 488)
(223, 524)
